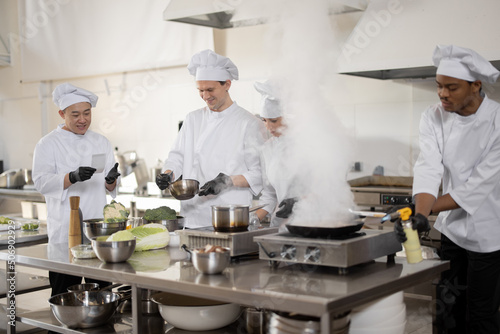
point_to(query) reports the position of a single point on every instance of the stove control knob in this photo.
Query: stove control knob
(312, 254)
(288, 252)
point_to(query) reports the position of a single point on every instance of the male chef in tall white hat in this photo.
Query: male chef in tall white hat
(218, 145)
(460, 150)
(63, 167)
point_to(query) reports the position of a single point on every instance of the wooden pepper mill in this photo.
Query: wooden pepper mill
(75, 234)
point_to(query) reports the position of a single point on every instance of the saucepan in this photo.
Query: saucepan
(232, 218)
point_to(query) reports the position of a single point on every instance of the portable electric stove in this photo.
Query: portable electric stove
(240, 243)
(342, 252)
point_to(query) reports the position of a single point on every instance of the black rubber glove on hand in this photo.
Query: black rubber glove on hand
(215, 186)
(112, 175)
(286, 206)
(81, 174)
(164, 180)
(418, 222)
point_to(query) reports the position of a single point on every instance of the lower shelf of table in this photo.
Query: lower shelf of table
(118, 324)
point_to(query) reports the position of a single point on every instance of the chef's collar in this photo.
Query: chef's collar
(223, 113)
(70, 134)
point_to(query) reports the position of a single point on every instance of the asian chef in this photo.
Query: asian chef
(62, 168)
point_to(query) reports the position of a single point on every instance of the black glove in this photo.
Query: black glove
(81, 174)
(395, 208)
(112, 175)
(164, 180)
(286, 206)
(215, 186)
(418, 222)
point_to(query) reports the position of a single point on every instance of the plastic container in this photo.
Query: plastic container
(412, 244)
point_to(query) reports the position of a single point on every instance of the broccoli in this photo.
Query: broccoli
(161, 213)
(115, 212)
(4, 220)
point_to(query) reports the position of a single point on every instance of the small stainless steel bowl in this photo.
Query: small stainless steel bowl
(171, 224)
(94, 228)
(113, 251)
(211, 262)
(84, 309)
(184, 189)
(84, 287)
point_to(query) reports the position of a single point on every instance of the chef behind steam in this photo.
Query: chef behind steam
(62, 168)
(218, 145)
(274, 172)
(460, 149)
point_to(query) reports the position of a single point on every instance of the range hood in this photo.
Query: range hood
(396, 39)
(224, 14)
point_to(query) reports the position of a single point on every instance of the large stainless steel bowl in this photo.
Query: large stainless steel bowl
(94, 228)
(113, 251)
(195, 314)
(171, 224)
(84, 309)
(184, 189)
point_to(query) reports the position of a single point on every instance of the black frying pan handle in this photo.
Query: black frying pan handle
(270, 255)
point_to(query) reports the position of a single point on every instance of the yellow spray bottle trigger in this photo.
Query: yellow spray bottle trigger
(405, 213)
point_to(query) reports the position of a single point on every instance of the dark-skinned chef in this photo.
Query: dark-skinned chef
(460, 150)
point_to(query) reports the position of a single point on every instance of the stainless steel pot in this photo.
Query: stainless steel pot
(231, 218)
(13, 178)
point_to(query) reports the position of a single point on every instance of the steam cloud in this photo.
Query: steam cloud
(303, 42)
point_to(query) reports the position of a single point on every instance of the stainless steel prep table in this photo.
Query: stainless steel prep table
(314, 291)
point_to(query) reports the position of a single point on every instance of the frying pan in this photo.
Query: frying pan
(323, 232)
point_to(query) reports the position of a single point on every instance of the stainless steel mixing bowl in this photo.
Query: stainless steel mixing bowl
(211, 262)
(94, 228)
(113, 251)
(184, 189)
(84, 309)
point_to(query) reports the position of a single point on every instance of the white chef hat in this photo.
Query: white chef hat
(461, 63)
(66, 95)
(208, 65)
(270, 105)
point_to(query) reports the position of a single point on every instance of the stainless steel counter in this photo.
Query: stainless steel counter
(314, 291)
(25, 195)
(24, 238)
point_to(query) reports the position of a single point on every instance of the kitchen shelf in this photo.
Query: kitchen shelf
(46, 320)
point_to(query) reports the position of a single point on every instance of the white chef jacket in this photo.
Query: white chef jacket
(277, 183)
(463, 152)
(59, 153)
(210, 143)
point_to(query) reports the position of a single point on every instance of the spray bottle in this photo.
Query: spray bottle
(412, 244)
